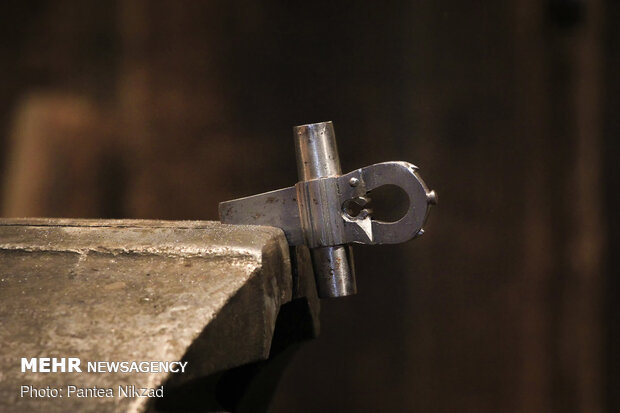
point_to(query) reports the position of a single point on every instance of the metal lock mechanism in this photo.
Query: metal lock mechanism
(326, 210)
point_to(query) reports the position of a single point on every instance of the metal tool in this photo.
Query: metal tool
(327, 211)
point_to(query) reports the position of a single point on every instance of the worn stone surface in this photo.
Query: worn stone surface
(134, 290)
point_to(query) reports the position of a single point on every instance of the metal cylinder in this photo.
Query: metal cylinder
(334, 271)
(317, 157)
(316, 150)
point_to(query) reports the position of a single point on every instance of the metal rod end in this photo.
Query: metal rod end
(316, 150)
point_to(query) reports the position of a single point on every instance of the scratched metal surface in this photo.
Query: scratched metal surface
(134, 290)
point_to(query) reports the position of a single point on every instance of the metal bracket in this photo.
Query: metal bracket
(317, 211)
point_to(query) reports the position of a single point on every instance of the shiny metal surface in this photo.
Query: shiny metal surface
(326, 210)
(316, 151)
(362, 229)
(316, 213)
(275, 208)
(334, 271)
(317, 157)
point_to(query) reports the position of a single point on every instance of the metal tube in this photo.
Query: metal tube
(316, 150)
(317, 157)
(334, 271)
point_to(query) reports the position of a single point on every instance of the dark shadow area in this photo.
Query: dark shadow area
(247, 388)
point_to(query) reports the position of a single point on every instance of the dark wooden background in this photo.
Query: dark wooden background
(161, 109)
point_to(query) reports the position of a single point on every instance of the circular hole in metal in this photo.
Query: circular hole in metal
(389, 203)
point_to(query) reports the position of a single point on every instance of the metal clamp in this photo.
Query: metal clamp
(326, 210)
